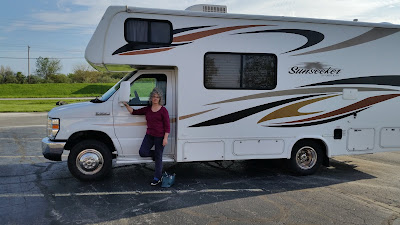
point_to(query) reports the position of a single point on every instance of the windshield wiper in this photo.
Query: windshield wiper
(96, 100)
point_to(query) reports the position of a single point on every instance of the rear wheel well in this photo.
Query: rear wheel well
(89, 135)
(323, 146)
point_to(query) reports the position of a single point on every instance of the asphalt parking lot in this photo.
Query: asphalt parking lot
(353, 190)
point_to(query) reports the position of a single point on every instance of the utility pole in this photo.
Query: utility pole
(28, 64)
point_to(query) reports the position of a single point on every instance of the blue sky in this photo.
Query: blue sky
(62, 28)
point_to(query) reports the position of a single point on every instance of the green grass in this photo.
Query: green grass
(56, 91)
(52, 90)
(31, 105)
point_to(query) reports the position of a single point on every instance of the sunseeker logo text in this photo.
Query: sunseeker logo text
(316, 68)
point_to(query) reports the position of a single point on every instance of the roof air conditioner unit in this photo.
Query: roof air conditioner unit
(208, 8)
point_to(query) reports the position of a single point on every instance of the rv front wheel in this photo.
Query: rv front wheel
(306, 157)
(90, 160)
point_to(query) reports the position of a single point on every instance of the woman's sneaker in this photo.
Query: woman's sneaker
(156, 182)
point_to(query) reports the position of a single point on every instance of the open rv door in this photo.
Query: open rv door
(131, 129)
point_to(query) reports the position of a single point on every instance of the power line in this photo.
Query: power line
(5, 57)
(28, 65)
(16, 45)
(44, 51)
(21, 23)
(11, 49)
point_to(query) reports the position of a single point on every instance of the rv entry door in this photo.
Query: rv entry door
(130, 129)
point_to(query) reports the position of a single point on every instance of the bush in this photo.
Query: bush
(82, 74)
(9, 78)
(33, 79)
(85, 75)
(59, 78)
(53, 90)
(21, 79)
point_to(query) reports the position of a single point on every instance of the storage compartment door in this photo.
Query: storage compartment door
(203, 151)
(258, 147)
(361, 139)
(390, 137)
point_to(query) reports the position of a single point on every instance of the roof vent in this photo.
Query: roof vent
(208, 8)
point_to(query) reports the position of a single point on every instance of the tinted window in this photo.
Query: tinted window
(137, 30)
(240, 71)
(160, 32)
(148, 31)
(222, 70)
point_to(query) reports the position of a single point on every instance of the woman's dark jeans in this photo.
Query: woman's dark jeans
(148, 142)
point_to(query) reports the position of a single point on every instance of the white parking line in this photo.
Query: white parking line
(18, 156)
(23, 114)
(130, 193)
(26, 156)
(24, 126)
(8, 138)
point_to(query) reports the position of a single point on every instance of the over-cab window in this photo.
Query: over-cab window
(240, 71)
(148, 31)
(144, 85)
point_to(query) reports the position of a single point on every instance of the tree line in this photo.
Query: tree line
(47, 71)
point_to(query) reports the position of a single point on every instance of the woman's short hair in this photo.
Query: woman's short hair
(159, 93)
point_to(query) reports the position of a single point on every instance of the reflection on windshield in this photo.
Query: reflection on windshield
(112, 90)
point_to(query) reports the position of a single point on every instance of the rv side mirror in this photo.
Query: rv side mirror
(124, 92)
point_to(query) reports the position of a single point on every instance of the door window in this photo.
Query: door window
(144, 85)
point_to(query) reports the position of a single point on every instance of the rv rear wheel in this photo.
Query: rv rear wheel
(90, 160)
(306, 157)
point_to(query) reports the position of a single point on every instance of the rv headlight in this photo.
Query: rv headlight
(53, 126)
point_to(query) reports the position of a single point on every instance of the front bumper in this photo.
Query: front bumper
(52, 150)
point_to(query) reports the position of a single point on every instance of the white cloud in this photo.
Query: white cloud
(80, 17)
(325, 9)
(86, 14)
(90, 12)
(308, 8)
(51, 27)
(14, 26)
(389, 12)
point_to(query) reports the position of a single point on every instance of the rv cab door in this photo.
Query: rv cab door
(131, 129)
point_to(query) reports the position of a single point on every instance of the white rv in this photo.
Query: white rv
(237, 87)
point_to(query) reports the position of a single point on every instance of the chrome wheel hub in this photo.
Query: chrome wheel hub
(89, 161)
(306, 158)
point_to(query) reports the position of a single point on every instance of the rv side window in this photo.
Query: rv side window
(148, 31)
(240, 71)
(143, 86)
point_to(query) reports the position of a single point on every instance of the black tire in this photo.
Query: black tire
(306, 158)
(90, 160)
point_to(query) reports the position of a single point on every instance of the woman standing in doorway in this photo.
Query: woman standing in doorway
(158, 129)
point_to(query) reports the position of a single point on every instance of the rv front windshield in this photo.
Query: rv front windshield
(112, 90)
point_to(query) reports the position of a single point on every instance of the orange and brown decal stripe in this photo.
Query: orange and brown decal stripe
(147, 51)
(131, 124)
(195, 114)
(361, 104)
(293, 110)
(123, 124)
(301, 91)
(183, 38)
(171, 120)
(202, 34)
(238, 115)
(372, 35)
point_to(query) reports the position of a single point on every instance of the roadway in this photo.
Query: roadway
(353, 190)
